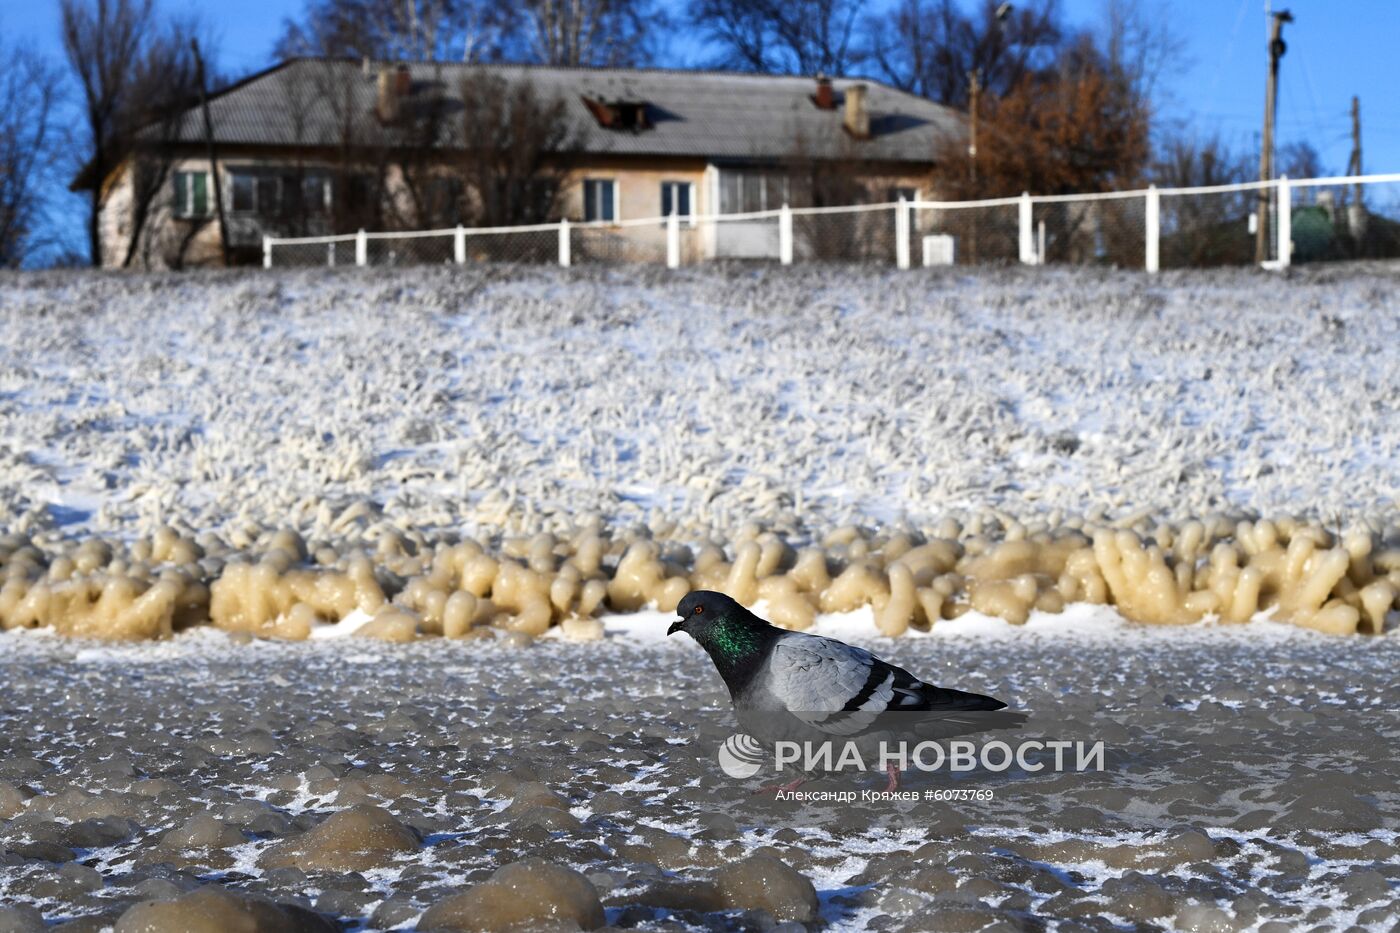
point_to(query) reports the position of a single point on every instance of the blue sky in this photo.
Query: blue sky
(1336, 48)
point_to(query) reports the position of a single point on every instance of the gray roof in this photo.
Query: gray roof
(714, 115)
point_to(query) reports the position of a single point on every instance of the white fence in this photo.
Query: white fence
(1314, 219)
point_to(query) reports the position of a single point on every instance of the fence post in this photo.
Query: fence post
(564, 258)
(459, 245)
(673, 240)
(267, 251)
(330, 254)
(785, 235)
(1153, 252)
(1027, 230)
(1285, 222)
(901, 234)
(361, 247)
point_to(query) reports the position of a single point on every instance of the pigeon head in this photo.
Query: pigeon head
(736, 640)
(703, 611)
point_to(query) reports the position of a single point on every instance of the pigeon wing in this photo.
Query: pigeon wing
(831, 686)
(843, 690)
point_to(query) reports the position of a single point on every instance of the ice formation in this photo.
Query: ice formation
(407, 585)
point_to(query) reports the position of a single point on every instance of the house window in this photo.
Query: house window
(305, 195)
(741, 192)
(267, 195)
(191, 194)
(243, 192)
(255, 193)
(675, 198)
(316, 194)
(599, 199)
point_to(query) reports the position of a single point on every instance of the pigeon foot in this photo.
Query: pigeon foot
(787, 788)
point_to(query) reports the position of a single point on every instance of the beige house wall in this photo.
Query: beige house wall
(164, 235)
(638, 187)
(638, 196)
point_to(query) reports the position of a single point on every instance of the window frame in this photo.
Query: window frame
(260, 179)
(183, 201)
(755, 184)
(317, 183)
(687, 218)
(234, 179)
(616, 200)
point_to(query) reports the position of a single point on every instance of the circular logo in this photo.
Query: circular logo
(741, 756)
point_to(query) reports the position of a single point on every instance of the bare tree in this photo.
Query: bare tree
(414, 30)
(931, 46)
(26, 105)
(1187, 161)
(102, 39)
(1204, 229)
(1300, 160)
(300, 101)
(517, 150)
(164, 89)
(553, 32)
(819, 177)
(418, 137)
(359, 157)
(588, 32)
(1141, 45)
(1071, 129)
(783, 36)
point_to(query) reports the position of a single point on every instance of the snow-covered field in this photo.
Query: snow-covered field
(486, 398)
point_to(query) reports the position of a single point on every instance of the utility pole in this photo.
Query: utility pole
(974, 88)
(1354, 163)
(1266, 151)
(1356, 211)
(209, 146)
(974, 93)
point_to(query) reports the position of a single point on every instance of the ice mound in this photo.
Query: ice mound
(399, 585)
(524, 895)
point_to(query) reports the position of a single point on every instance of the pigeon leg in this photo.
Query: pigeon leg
(893, 773)
(787, 788)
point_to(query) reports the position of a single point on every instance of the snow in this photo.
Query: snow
(482, 399)
(1082, 621)
(344, 628)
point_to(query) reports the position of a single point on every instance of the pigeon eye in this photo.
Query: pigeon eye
(699, 609)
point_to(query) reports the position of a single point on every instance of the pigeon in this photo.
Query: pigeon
(795, 686)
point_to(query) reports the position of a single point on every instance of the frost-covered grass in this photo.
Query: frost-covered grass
(488, 398)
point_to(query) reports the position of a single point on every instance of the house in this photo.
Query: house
(316, 146)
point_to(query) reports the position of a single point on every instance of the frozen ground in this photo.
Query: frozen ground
(1250, 782)
(481, 399)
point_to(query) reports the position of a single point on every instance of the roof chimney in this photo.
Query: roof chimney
(386, 105)
(824, 99)
(403, 81)
(857, 119)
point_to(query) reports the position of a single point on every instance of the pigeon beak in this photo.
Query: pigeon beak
(675, 627)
